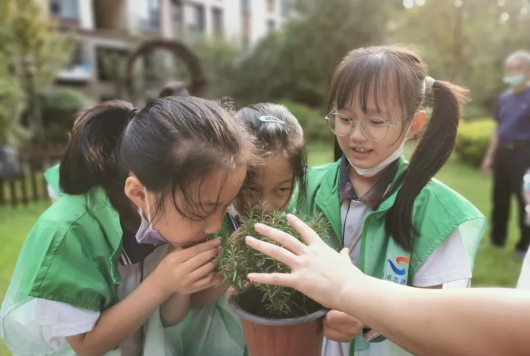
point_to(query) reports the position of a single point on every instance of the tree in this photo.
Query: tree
(466, 41)
(298, 62)
(32, 52)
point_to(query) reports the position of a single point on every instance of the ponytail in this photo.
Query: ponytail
(433, 150)
(89, 157)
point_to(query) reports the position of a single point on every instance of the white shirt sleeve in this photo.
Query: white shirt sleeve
(51, 193)
(524, 278)
(447, 263)
(41, 326)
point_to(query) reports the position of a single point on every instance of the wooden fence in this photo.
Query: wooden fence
(30, 185)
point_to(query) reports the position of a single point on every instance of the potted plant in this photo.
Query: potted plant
(277, 321)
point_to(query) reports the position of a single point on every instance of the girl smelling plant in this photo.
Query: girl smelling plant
(119, 255)
(400, 224)
(212, 328)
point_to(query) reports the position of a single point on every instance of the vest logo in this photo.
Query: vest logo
(398, 267)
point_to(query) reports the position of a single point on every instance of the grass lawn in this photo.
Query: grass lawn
(494, 267)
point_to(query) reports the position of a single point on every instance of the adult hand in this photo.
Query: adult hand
(487, 164)
(317, 270)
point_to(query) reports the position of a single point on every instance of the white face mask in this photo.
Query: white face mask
(372, 171)
(514, 80)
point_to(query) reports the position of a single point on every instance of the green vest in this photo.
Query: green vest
(438, 211)
(71, 255)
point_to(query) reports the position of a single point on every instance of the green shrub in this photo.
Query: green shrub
(58, 108)
(473, 139)
(312, 121)
(475, 112)
(238, 260)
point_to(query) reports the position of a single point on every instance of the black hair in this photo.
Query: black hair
(174, 89)
(277, 138)
(171, 145)
(397, 75)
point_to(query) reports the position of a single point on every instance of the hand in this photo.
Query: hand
(341, 327)
(487, 164)
(190, 270)
(317, 270)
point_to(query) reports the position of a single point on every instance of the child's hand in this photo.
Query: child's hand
(187, 271)
(341, 327)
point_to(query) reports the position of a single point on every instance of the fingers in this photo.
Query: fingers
(201, 259)
(273, 251)
(336, 335)
(276, 279)
(203, 270)
(336, 318)
(342, 323)
(283, 238)
(309, 236)
(210, 280)
(186, 254)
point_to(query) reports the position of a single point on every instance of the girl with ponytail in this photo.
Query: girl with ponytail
(399, 223)
(118, 256)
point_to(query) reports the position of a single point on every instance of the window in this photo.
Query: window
(66, 9)
(271, 5)
(218, 22)
(78, 57)
(149, 12)
(178, 19)
(197, 21)
(271, 25)
(245, 6)
(286, 8)
(246, 23)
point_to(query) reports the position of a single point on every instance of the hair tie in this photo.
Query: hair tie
(132, 113)
(429, 82)
(271, 119)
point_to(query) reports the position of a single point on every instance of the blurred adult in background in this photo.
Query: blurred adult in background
(508, 156)
(174, 89)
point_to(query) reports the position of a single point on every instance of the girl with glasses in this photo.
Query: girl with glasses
(399, 223)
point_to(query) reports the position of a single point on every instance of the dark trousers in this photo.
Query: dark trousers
(509, 168)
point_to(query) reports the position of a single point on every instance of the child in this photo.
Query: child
(399, 223)
(96, 264)
(214, 329)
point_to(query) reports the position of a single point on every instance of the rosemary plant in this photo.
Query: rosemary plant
(238, 260)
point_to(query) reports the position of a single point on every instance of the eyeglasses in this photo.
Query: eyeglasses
(373, 128)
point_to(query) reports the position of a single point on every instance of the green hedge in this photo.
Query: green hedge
(312, 121)
(58, 108)
(473, 139)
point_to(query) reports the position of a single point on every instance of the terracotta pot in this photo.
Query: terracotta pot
(302, 336)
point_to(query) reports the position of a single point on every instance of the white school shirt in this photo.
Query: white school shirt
(48, 323)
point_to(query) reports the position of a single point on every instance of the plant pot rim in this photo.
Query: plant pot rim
(233, 302)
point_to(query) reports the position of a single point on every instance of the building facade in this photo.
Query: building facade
(107, 30)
